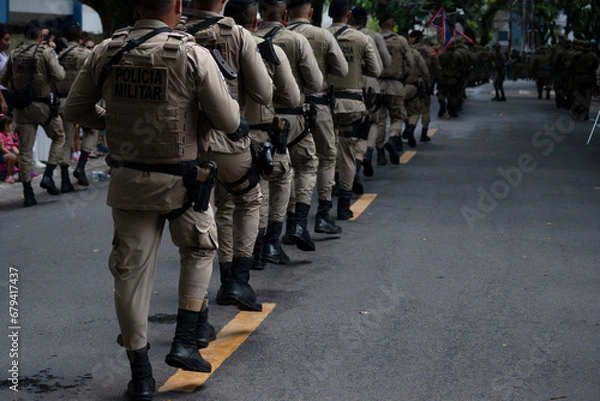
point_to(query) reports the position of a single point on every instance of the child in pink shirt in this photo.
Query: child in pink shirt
(8, 149)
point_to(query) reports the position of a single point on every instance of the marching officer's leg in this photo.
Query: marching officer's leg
(54, 130)
(27, 133)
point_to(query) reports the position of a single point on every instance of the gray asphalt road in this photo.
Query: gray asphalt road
(473, 275)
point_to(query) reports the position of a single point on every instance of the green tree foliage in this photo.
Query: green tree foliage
(113, 13)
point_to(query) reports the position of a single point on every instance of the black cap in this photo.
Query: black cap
(415, 33)
(233, 7)
(385, 17)
(339, 8)
(359, 13)
(297, 3)
(272, 2)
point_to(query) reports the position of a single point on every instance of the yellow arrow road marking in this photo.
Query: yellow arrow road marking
(406, 156)
(431, 131)
(361, 205)
(228, 340)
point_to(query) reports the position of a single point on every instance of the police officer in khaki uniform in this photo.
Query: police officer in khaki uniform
(499, 70)
(152, 147)
(351, 117)
(71, 59)
(331, 61)
(301, 144)
(373, 98)
(268, 130)
(417, 87)
(35, 65)
(391, 83)
(415, 38)
(238, 196)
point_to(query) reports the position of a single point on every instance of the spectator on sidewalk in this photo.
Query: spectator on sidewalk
(8, 149)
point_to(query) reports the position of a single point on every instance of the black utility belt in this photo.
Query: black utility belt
(262, 127)
(295, 110)
(317, 100)
(349, 96)
(178, 169)
(45, 99)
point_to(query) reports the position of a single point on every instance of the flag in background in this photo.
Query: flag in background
(440, 22)
(467, 39)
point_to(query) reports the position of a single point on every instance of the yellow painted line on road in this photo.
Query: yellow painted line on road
(432, 131)
(406, 156)
(228, 340)
(361, 204)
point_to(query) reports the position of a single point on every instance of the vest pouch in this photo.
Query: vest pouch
(22, 97)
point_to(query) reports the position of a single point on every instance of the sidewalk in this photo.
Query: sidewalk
(11, 195)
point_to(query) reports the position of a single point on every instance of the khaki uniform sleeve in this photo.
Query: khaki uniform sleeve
(211, 90)
(55, 70)
(334, 57)
(257, 82)
(372, 66)
(407, 54)
(287, 92)
(423, 68)
(80, 106)
(308, 66)
(384, 53)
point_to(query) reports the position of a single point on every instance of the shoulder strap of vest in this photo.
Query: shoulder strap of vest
(132, 43)
(391, 35)
(64, 54)
(340, 31)
(272, 32)
(295, 25)
(203, 25)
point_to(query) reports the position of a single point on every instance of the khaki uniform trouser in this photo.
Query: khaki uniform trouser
(326, 147)
(426, 110)
(412, 103)
(349, 150)
(303, 157)
(276, 186)
(376, 137)
(88, 140)
(27, 121)
(132, 262)
(394, 105)
(237, 216)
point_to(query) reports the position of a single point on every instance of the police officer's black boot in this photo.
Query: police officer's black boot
(539, 93)
(394, 148)
(367, 162)
(225, 273)
(184, 351)
(47, 181)
(257, 263)
(343, 205)
(205, 332)
(142, 384)
(410, 135)
(357, 186)
(28, 195)
(424, 137)
(324, 223)
(65, 181)
(79, 171)
(300, 234)
(381, 160)
(290, 222)
(238, 291)
(405, 132)
(272, 251)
